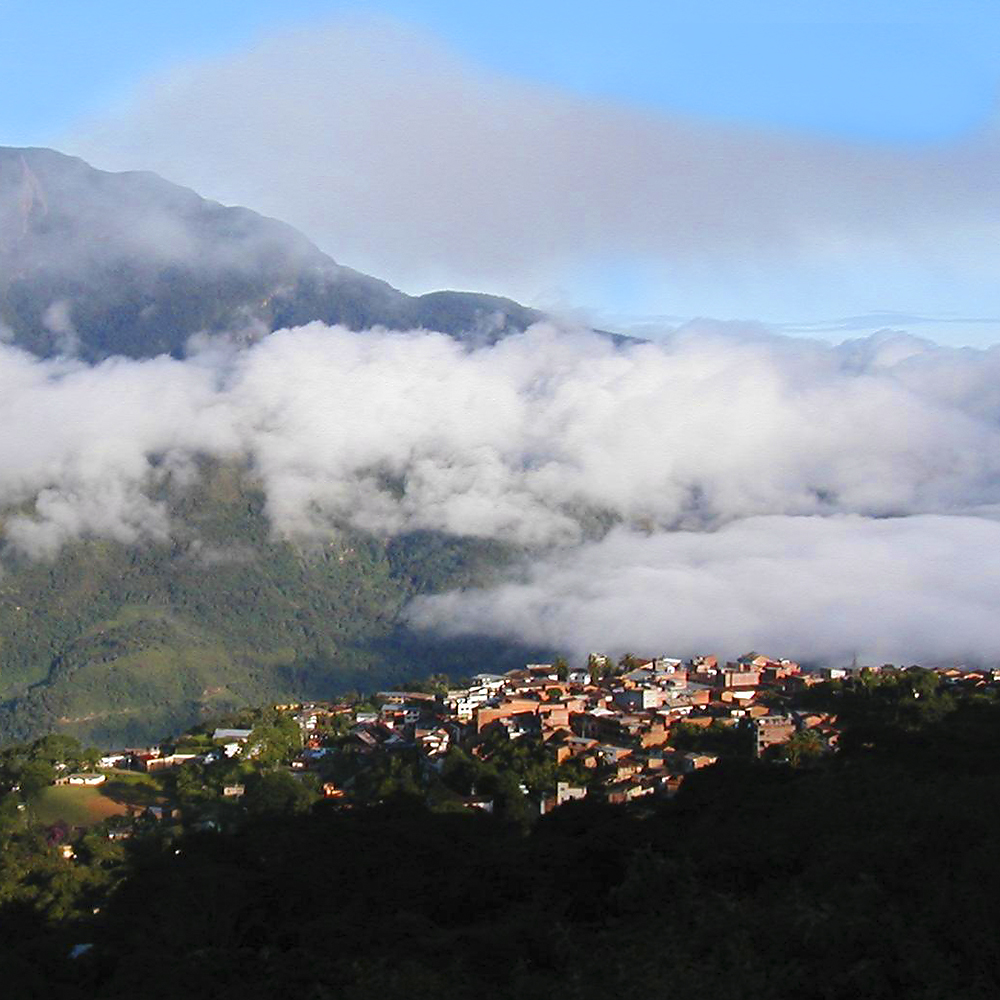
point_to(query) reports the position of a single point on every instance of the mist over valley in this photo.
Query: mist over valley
(235, 468)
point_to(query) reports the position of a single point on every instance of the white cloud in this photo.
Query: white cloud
(405, 161)
(769, 491)
(903, 590)
(57, 319)
(716, 423)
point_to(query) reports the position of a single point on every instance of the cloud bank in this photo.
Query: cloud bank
(827, 590)
(405, 161)
(762, 490)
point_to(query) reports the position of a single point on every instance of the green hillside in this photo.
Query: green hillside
(116, 643)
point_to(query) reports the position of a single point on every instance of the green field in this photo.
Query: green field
(81, 805)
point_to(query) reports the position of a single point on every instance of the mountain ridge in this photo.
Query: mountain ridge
(99, 263)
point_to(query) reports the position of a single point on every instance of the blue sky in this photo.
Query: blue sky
(878, 70)
(878, 75)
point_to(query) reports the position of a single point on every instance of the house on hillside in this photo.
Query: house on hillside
(626, 791)
(82, 778)
(565, 792)
(169, 761)
(772, 730)
(693, 761)
(227, 735)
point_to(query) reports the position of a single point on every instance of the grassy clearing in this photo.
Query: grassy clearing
(81, 805)
(75, 805)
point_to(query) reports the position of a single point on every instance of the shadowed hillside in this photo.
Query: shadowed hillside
(870, 873)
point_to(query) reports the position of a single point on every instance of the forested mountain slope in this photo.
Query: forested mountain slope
(120, 643)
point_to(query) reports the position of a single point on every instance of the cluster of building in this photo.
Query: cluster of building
(619, 723)
(616, 723)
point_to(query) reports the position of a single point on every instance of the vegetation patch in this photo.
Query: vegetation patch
(74, 805)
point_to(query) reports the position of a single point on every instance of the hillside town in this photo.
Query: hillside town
(635, 792)
(615, 731)
(634, 729)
